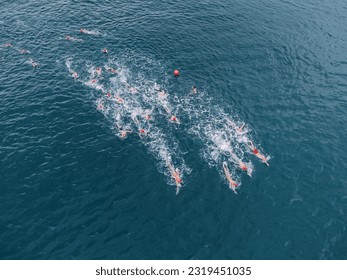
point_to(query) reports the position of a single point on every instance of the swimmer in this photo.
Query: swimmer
(174, 119)
(236, 159)
(8, 45)
(194, 89)
(98, 71)
(239, 129)
(100, 107)
(124, 133)
(74, 75)
(70, 38)
(251, 146)
(142, 133)
(33, 63)
(112, 70)
(23, 51)
(118, 99)
(147, 114)
(105, 51)
(175, 175)
(108, 95)
(232, 183)
(89, 32)
(243, 166)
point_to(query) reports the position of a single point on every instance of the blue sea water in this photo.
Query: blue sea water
(72, 189)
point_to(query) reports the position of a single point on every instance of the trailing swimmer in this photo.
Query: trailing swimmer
(232, 183)
(89, 32)
(33, 63)
(175, 175)
(70, 38)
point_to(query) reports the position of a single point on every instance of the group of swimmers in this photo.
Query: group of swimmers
(162, 100)
(249, 144)
(22, 51)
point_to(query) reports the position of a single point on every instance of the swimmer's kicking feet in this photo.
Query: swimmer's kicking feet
(237, 160)
(232, 183)
(175, 175)
(33, 63)
(251, 146)
(167, 110)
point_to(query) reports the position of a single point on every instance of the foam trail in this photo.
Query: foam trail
(134, 114)
(224, 137)
(134, 102)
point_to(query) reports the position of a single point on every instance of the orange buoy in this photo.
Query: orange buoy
(176, 73)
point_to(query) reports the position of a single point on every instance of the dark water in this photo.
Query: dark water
(71, 189)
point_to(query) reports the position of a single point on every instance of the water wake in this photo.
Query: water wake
(135, 102)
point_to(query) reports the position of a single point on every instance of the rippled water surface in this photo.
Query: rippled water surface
(71, 188)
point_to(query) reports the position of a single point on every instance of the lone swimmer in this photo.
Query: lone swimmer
(8, 45)
(251, 146)
(33, 63)
(232, 183)
(105, 51)
(194, 89)
(175, 175)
